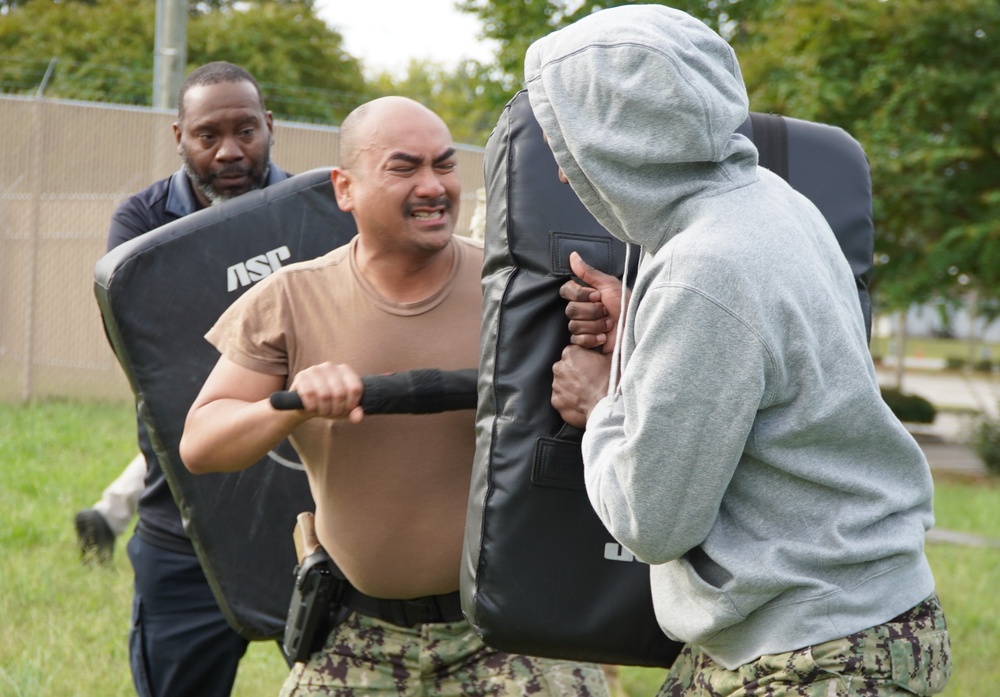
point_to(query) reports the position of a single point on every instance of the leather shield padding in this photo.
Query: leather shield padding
(830, 168)
(159, 294)
(535, 577)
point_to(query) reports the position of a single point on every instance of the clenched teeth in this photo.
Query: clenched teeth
(427, 215)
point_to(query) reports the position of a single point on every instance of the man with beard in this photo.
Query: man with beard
(180, 643)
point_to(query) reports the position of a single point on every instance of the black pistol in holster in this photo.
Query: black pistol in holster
(316, 587)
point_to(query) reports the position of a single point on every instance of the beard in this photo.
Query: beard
(205, 183)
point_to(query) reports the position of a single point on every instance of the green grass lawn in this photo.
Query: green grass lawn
(65, 624)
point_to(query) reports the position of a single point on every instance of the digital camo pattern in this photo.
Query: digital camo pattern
(909, 655)
(366, 656)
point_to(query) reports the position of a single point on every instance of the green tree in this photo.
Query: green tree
(99, 51)
(917, 82)
(196, 6)
(298, 60)
(103, 51)
(514, 25)
(466, 96)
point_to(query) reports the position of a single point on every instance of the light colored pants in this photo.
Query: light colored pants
(119, 501)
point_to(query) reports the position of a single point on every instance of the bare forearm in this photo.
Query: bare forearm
(229, 435)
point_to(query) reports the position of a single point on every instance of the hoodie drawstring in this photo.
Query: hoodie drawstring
(613, 384)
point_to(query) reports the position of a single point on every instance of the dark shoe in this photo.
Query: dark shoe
(97, 540)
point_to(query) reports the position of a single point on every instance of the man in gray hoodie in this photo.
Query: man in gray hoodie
(740, 445)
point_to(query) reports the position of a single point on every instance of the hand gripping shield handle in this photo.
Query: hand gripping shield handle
(423, 391)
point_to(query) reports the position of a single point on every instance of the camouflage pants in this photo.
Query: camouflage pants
(909, 655)
(365, 656)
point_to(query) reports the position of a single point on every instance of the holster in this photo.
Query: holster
(316, 591)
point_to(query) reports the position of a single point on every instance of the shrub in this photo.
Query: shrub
(953, 363)
(909, 407)
(986, 441)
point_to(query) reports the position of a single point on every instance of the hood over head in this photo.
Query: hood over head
(640, 105)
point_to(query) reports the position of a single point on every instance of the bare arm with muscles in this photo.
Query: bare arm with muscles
(232, 425)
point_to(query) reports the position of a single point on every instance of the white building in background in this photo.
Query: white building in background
(925, 321)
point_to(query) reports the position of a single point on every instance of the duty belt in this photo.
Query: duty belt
(405, 613)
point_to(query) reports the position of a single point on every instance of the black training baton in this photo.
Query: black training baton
(424, 391)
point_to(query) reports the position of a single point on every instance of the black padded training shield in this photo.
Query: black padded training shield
(159, 294)
(540, 573)
(830, 168)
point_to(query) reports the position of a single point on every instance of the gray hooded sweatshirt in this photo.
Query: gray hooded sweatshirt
(749, 457)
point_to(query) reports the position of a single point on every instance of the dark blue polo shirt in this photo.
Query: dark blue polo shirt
(159, 204)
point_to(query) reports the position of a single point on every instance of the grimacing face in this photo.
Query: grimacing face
(224, 140)
(403, 186)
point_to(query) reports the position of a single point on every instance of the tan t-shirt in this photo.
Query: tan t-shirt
(391, 492)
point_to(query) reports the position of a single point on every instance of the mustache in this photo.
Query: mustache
(231, 170)
(440, 201)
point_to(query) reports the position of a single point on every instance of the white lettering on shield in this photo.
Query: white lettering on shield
(254, 269)
(615, 552)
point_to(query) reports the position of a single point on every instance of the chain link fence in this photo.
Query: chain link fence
(64, 168)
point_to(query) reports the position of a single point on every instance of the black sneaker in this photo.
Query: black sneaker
(97, 540)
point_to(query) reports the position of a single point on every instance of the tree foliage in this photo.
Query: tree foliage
(103, 51)
(196, 7)
(466, 96)
(917, 82)
(298, 60)
(94, 51)
(514, 25)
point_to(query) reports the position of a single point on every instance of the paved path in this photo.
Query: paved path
(958, 397)
(961, 538)
(953, 458)
(950, 390)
